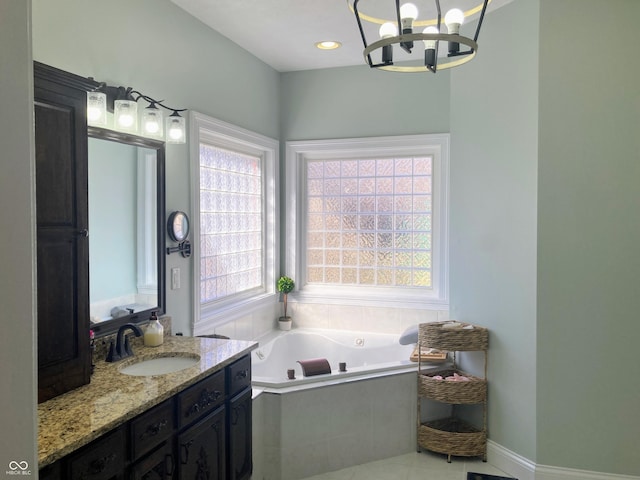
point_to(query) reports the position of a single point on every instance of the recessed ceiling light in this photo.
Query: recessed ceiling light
(328, 45)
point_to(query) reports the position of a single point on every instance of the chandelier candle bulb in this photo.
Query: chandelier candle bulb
(430, 48)
(388, 30)
(408, 13)
(453, 19)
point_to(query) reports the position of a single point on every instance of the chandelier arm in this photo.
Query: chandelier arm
(447, 37)
(464, 57)
(434, 68)
(364, 40)
(484, 9)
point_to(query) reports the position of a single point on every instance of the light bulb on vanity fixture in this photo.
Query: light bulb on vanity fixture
(97, 108)
(123, 102)
(176, 128)
(152, 121)
(125, 113)
(403, 32)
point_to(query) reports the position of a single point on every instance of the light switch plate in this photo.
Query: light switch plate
(175, 278)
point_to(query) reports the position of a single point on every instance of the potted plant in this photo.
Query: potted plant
(285, 285)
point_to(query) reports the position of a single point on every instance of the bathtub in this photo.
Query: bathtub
(367, 355)
(313, 425)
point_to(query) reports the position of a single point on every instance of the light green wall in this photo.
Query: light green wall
(493, 213)
(18, 420)
(157, 48)
(361, 102)
(588, 236)
(544, 191)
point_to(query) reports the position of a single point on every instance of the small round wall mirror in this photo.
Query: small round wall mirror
(178, 226)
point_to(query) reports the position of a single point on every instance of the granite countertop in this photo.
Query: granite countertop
(74, 419)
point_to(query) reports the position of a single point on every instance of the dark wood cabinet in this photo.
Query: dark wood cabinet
(239, 418)
(64, 361)
(50, 472)
(104, 459)
(151, 428)
(159, 465)
(201, 449)
(202, 432)
(201, 398)
(240, 461)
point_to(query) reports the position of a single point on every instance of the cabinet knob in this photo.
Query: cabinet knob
(83, 233)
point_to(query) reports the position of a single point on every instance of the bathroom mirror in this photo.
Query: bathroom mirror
(126, 229)
(178, 226)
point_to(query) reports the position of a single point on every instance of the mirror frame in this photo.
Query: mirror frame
(111, 326)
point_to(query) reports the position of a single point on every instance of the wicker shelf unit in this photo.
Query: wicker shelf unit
(452, 436)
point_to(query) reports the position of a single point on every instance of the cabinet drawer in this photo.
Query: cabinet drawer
(239, 375)
(100, 460)
(201, 398)
(152, 428)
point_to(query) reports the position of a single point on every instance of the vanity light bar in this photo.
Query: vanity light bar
(123, 102)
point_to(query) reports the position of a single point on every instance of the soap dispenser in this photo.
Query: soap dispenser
(154, 334)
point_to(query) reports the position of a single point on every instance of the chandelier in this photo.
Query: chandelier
(394, 24)
(123, 102)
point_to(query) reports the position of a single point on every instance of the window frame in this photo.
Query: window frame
(435, 145)
(205, 129)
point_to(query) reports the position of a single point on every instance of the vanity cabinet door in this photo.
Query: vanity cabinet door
(64, 361)
(201, 449)
(103, 459)
(159, 465)
(50, 472)
(240, 454)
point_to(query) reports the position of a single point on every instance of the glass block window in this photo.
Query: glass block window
(234, 201)
(231, 211)
(369, 221)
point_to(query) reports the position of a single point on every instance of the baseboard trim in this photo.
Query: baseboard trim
(510, 462)
(546, 472)
(524, 469)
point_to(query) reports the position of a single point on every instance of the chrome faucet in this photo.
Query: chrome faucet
(122, 348)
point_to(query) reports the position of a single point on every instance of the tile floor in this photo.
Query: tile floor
(413, 466)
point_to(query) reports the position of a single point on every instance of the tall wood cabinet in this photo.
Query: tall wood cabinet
(64, 361)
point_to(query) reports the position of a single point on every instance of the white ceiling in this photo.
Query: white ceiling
(283, 33)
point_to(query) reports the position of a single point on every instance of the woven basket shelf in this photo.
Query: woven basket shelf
(467, 392)
(433, 335)
(452, 436)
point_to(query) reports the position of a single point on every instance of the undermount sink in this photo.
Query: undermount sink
(160, 365)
